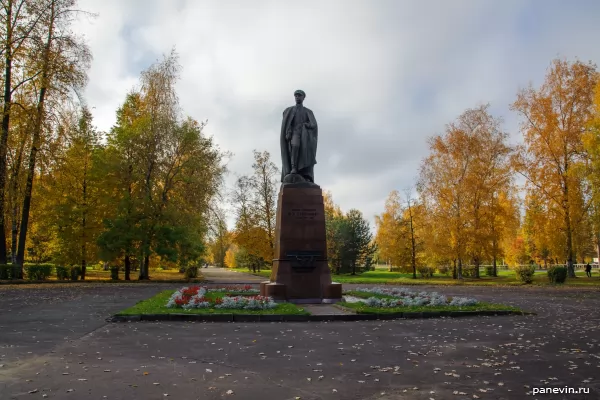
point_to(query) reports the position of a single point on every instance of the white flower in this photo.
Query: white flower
(411, 299)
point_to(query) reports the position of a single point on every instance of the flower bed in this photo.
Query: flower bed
(235, 289)
(380, 299)
(198, 297)
(395, 297)
(200, 300)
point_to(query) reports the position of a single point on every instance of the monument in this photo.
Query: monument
(300, 271)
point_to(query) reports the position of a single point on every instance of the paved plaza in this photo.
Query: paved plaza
(56, 344)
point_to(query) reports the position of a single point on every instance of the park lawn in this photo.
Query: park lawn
(157, 305)
(99, 275)
(264, 273)
(504, 278)
(155, 275)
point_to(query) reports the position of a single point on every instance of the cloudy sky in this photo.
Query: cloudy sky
(380, 76)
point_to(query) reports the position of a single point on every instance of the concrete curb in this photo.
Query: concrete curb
(308, 318)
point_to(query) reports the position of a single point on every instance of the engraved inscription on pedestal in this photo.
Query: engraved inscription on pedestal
(304, 261)
(303, 213)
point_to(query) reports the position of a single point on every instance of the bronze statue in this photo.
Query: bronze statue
(299, 133)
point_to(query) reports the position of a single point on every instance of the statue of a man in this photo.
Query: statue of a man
(298, 140)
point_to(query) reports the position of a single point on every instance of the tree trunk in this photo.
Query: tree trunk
(141, 261)
(568, 228)
(127, 268)
(83, 245)
(83, 221)
(570, 266)
(5, 127)
(37, 132)
(146, 267)
(14, 234)
(413, 243)
(598, 247)
(494, 255)
(459, 270)
(454, 275)
(14, 201)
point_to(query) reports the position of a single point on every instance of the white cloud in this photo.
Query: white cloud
(380, 76)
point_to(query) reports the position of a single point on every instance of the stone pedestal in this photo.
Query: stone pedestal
(300, 272)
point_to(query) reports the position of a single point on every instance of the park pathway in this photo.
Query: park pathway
(225, 276)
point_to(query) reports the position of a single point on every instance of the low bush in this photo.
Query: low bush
(191, 272)
(557, 274)
(469, 271)
(444, 269)
(426, 272)
(525, 273)
(489, 270)
(75, 272)
(38, 272)
(62, 272)
(114, 273)
(9, 271)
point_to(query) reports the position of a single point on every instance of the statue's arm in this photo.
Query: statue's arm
(287, 132)
(312, 122)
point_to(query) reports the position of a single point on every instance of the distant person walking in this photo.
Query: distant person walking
(588, 270)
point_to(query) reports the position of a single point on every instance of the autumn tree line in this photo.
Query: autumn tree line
(469, 210)
(478, 199)
(71, 195)
(150, 191)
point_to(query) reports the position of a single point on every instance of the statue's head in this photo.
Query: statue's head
(299, 95)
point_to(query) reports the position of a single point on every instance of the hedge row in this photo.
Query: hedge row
(39, 272)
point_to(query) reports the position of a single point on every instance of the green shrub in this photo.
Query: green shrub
(525, 273)
(191, 272)
(75, 272)
(489, 270)
(469, 271)
(9, 271)
(426, 272)
(444, 269)
(62, 272)
(557, 274)
(114, 273)
(38, 272)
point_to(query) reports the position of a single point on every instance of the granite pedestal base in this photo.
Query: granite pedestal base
(300, 271)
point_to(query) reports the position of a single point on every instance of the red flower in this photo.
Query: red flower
(190, 291)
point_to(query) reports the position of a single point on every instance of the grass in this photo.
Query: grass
(504, 278)
(157, 305)
(264, 273)
(155, 275)
(99, 275)
(362, 308)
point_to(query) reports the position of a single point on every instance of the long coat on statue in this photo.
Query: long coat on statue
(307, 154)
